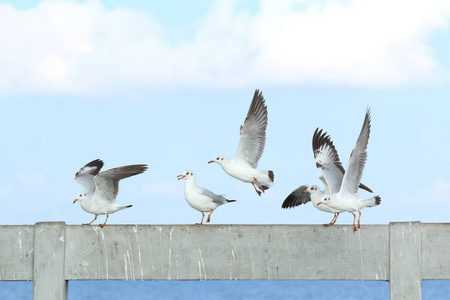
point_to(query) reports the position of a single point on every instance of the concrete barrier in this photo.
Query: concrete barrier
(51, 254)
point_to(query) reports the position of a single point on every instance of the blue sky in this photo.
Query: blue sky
(145, 83)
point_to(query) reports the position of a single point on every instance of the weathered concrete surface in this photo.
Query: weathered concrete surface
(50, 254)
(405, 261)
(16, 252)
(48, 266)
(229, 252)
(435, 251)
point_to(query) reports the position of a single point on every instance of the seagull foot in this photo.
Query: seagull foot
(101, 225)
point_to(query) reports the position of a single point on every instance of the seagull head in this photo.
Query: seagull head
(218, 159)
(80, 197)
(186, 175)
(324, 200)
(312, 189)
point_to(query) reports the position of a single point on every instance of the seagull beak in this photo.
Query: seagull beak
(305, 191)
(75, 200)
(319, 203)
(181, 176)
(211, 161)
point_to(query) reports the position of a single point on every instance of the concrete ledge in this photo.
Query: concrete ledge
(53, 253)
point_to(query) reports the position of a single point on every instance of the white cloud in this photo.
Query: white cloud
(82, 48)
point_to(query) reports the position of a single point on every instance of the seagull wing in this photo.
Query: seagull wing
(357, 161)
(219, 199)
(297, 197)
(85, 176)
(107, 182)
(253, 132)
(327, 160)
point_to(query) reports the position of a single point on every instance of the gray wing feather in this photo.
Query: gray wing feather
(297, 197)
(107, 182)
(85, 176)
(253, 132)
(218, 199)
(327, 160)
(357, 160)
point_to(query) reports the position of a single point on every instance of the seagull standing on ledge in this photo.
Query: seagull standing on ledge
(329, 164)
(251, 147)
(199, 198)
(102, 189)
(305, 194)
(347, 198)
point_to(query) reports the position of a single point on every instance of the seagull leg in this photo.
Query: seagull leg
(202, 219)
(332, 221)
(354, 218)
(209, 216)
(91, 221)
(258, 192)
(359, 224)
(103, 225)
(335, 219)
(260, 187)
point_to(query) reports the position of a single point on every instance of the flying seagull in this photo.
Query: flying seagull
(250, 148)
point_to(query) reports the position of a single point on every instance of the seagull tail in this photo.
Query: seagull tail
(271, 175)
(374, 201)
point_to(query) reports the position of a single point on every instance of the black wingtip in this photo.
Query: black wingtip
(297, 197)
(377, 200)
(321, 138)
(365, 187)
(95, 163)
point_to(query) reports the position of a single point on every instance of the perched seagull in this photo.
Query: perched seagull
(102, 189)
(199, 198)
(347, 198)
(251, 147)
(305, 194)
(327, 161)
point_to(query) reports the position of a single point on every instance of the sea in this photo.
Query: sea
(225, 290)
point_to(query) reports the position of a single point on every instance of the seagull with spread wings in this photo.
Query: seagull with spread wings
(328, 162)
(347, 197)
(101, 189)
(250, 148)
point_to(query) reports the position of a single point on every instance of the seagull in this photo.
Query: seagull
(327, 161)
(250, 148)
(305, 194)
(199, 198)
(347, 198)
(101, 189)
